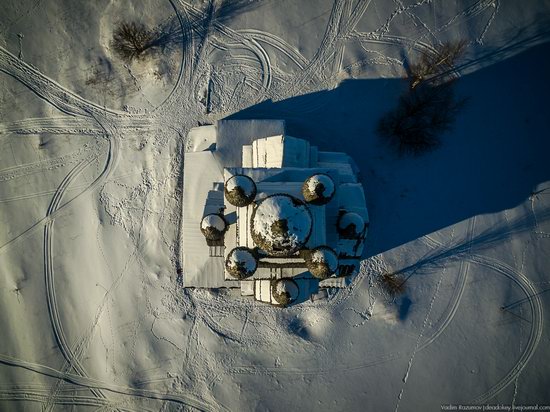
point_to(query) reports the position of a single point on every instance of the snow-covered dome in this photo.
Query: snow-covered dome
(281, 224)
(241, 263)
(284, 291)
(213, 226)
(318, 189)
(240, 190)
(322, 261)
(351, 225)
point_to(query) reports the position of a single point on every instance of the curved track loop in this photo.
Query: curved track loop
(186, 58)
(51, 297)
(238, 40)
(535, 305)
(276, 42)
(112, 159)
(452, 308)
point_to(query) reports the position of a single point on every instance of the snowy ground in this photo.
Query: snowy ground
(92, 315)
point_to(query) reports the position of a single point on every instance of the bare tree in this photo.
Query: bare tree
(392, 283)
(437, 66)
(429, 107)
(421, 116)
(131, 40)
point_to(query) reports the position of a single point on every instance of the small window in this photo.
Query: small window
(216, 251)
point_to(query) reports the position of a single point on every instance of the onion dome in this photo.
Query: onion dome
(281, 224)
(321, 261)
(213, 227)
(284, 291)
(240, 190)
(318, 189)
(351, 225)
(241, 263)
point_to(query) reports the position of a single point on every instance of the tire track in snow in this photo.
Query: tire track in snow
(325, 52)
(26, 169)
(112, 159)
(246, 41)
(53, 125)
(41, 396)
(50, 192)
(185, 72)
(276, 42)
(69, 125)
(537, 321)
(452, 308)
(51, 91)
(91, 383)
(420, 336)
(51, 297)
(71, 360)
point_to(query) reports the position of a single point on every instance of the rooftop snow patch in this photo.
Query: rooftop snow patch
(281, 224)
(322, 261)
(241, 263)
(213, 221)
(318, 189)
(233, 134)
(240, 190)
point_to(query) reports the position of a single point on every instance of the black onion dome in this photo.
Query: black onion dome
(284, 291)
(213, 226)
(318, 189)
(240, 190)
(321, 261)
(241, 263)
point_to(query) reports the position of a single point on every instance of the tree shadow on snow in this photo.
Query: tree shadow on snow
(404, 307)
(492, 160)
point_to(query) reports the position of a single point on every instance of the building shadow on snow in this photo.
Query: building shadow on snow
(492, 160)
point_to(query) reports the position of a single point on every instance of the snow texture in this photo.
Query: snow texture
(92, 309)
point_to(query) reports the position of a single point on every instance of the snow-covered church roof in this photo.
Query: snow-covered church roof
(285, 210)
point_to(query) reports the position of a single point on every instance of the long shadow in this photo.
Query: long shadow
(491, 161)
(198, 22)
(436, 259)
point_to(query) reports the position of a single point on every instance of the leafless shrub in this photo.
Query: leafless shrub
(392, 283)
(131, 40)
(437, 66)
(429, 107)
